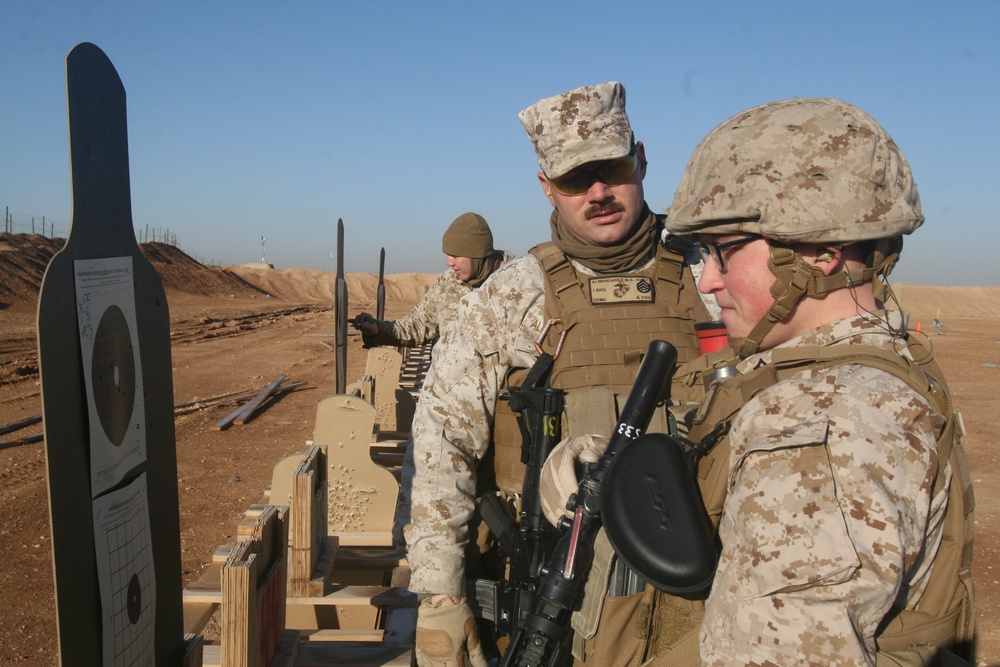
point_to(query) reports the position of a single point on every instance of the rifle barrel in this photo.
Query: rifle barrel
(340, 313)
(380, 295)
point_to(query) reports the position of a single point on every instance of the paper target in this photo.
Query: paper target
(112, 369)
(125, 569)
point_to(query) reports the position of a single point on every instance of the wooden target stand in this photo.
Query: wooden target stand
(107, 400)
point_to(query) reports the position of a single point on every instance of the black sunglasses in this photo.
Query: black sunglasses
(609, 172)
(714, 250)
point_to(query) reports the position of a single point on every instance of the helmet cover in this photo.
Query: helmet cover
(812, 170)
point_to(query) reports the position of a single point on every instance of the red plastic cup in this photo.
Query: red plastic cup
(712, 336)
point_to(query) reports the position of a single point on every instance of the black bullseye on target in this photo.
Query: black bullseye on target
(134, 602)
(113, 373)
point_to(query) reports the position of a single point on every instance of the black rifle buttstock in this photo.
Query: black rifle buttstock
(655, 518)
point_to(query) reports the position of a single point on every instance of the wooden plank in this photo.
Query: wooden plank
(388, 459)
(324, 654)
(197, 615)
(237, 416)
(201, 593)
(210, 582)
(321, 574)
(230, 397)
(255, 509)
(228, 420)
(372, 596)
(211, 655)
(308, 520)
(233, 397)
(349, 558)
(391, 439)
(337, 635)
(253, 593)
(34, 437)
(374, 538)
(251, 407)
(20, 423)
(222, 553)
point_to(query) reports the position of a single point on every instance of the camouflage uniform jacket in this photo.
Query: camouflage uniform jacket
(495, 330)
(831, 517)
(423, 324)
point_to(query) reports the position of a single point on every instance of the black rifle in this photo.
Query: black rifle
(526, 547)
(541, 638)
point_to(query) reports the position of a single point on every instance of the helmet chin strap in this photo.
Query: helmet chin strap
(796, 279)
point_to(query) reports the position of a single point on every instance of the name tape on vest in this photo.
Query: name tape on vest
(621, 289)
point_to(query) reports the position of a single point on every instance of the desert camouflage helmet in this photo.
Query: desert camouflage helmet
(798, 171)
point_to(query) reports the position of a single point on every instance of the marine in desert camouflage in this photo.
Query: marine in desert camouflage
(844, 505)
(468, 244)
(593, 298)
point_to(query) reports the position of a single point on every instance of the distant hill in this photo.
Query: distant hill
(24, 258)
(314, 286)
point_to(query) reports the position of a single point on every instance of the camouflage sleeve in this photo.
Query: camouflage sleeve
(828, 515)
(494, 330)
(423, 323)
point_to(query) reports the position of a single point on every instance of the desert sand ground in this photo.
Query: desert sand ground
(228, 337)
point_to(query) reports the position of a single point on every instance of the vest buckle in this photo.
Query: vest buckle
(545, 332)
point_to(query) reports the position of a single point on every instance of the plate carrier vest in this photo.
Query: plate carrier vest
(601, 345)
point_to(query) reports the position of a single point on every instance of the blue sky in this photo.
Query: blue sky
(274, 119)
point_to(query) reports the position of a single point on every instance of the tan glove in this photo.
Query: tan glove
(561, 472)
(446, 634)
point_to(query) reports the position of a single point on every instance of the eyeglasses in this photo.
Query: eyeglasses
(610, 172)
(714, 250)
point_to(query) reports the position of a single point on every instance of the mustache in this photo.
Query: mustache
(604, 209)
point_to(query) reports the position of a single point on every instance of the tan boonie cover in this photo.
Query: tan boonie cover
(586, 124)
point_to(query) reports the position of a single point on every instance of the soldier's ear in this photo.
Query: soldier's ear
(546, 188)
(828, 258)
(640, 153)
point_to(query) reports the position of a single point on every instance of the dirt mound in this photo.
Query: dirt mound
(180, 273)
(24, 258)
(313, 286)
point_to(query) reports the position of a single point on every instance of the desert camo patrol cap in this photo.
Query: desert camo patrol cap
(584, 125)
(811, 170)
